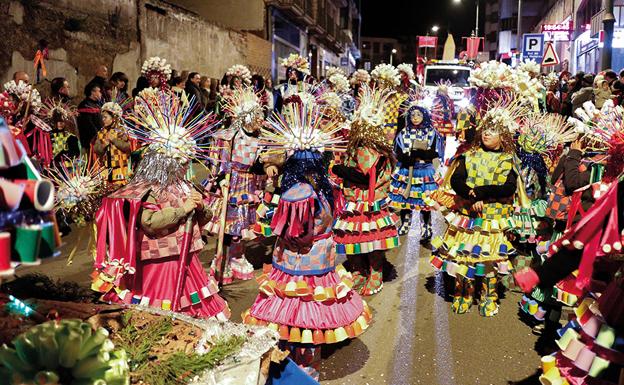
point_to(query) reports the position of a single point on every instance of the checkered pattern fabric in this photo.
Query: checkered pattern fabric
(115, 159)
(392, 109)
(487, 168)
(59, 142)
(245, 150)
(167, 243)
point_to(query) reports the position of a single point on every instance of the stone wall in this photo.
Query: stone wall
(120, 34)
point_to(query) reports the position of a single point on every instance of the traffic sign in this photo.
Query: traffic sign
(550, 56)
(533, 47)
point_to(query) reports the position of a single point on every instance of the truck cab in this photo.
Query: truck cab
(456, 74)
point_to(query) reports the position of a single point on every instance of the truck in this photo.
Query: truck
(456, 74)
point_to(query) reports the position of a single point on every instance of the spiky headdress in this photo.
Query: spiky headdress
(504, 117)
(368, 120)
(113, 108)
(545, 133)
(302, 128)
(406, 69)
(25, 93)
(168, 125)
(80, 187)
(386, 75)
(334, 70)
(240, 71)
(159, 67)
(339, 82)
(243, 106)
(53, 109)
(360, 76)
(297, 62)
(604, 130)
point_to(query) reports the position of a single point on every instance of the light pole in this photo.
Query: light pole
(476, 16)
(519, 33)
(608, 21)
(392, 53)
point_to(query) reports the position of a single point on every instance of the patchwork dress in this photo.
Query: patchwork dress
(365, 224)
(138, 259)
(475, 243)
(305, 296)
(115, 156)
(413, 180)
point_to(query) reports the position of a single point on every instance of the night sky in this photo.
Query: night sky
(392, 18)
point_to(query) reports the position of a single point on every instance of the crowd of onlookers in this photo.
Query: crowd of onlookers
(569, 93)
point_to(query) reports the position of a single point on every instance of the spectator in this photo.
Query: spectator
(204, 88)
(59, 90)
(178, 86)
(21, 76)
(89, 117)
(573, 85)
(611, 77)
(141, 84)
(584, 94)
(553, 104)
(257, 81)
(272, 94)
(119, 86)
(193, 91)
(602, 91)
(618, 89)
(212, 98)
(101, 74)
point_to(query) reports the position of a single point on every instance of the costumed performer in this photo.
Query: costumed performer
(305, 296)
(486, 180)
(112, 144)
(365, 228)
(149, 231)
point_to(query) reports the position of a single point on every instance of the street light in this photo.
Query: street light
(476, 18)
(435, 28)
(392, 53)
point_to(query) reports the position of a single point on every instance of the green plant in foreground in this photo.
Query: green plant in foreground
(67, 352)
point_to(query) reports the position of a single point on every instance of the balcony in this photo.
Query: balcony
(319, 27)
(300, 10)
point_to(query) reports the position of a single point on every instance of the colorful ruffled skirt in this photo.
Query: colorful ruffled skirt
(473, 247)
(364, 227)
(309, 309)
(528, 221)
(413, 191)
(153, 284)
(265, 212)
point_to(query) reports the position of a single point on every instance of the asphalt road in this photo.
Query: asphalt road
(415, 338)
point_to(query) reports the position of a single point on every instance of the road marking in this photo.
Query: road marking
(444, 354)
(403, 355)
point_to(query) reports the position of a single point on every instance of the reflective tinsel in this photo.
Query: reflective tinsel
(308, 167)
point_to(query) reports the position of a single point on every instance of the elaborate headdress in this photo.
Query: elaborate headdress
(603, 130)
(25, 93)
(492, 75)
(406, 69)
(550, 79)
(530, 66)
(241, 71)
(334, 70)
(302, 128)
(368, 120)
(167, 125)
(503, 117)
(545, 133)
(53, 109)
(156, 66)
(527, 88)
(386, 75)
(339, 82)
(360, 76)
(79, 188)
(243, 105)
(113, 108)
(297, 62)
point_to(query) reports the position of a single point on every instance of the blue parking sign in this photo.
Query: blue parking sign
(533, 46)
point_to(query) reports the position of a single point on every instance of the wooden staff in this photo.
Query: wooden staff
(225, 192)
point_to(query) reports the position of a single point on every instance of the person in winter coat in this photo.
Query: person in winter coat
(585, 94)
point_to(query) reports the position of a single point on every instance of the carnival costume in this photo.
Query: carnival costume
(305, 296)
(445, 107)
(61, 118)
(112, 146)
(416, 146)
(239, 163)
(24, 122)
(293, 89)
(475, 243)
(590, 348)
(387, 78)
(365, 228)
(149, 234)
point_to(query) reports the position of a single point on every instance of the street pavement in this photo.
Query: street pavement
(414, 338)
